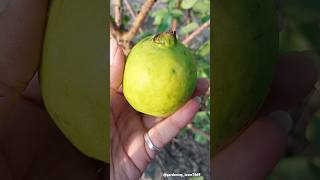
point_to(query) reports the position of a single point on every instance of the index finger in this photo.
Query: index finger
(168, 128)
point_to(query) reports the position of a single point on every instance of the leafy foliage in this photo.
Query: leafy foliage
(301, 26)
(202, 122)
(300, 32)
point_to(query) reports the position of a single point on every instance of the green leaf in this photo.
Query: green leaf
(200, 139)
(197, 178)
(292, 39)
(187, 4)
(204, 49)
(159, 15)
(177, 13)
(159, 12)
(295, 168)
(202, 122)
(183, 132)
(205, 18)
(172, 4)
(311, 30)
(203, 67)
(209, 103)
(202, 7)
(126, 19)
(165, 24)
(203, 114)
(157, 20)
(188, 28)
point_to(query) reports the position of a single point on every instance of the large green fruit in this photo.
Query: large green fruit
(245, 44)
(74, 78)
(160, 75)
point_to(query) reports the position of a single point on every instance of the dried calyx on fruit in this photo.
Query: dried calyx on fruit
(167, 39)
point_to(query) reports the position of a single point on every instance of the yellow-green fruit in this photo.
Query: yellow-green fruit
(245, 44)
(160, 75)
(74, 78)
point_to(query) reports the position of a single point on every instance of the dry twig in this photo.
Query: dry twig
(131, 12)
(114, 31)
(174, 25)
(117, 13)
(128, 36)
(188, 19)
(187, 40)
(174, 21)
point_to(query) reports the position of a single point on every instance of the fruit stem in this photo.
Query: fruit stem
(166, 39)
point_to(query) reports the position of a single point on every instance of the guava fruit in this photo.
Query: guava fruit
(245, 45)
(160, 75)
(73, 75)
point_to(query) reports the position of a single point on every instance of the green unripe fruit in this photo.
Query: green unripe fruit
(74, 77)
(245, 44)
(160, 75)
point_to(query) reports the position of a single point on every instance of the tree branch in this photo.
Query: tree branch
(188, 19)
(138, 21)
(117, 13)
(174, 20)
(131, 12)
(114, 31)
(174, 25)
(187, 40)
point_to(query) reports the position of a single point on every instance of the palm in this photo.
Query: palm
(127, 131)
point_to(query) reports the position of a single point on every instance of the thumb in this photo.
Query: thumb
(116, 64)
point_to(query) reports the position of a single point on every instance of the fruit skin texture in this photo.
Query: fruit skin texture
(245, 44)
(160, 75)
(73, 75)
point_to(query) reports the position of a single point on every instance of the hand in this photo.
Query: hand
(255, 153)
(31, 146)
(129, 154)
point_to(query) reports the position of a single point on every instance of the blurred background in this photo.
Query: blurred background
(300, 31)
(132, 20)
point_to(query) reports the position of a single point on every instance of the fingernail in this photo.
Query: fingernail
(113, 49)
(283, 118)
(3, 5)
(197, 99)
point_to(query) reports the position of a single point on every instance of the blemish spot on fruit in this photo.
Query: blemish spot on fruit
(173, 71)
